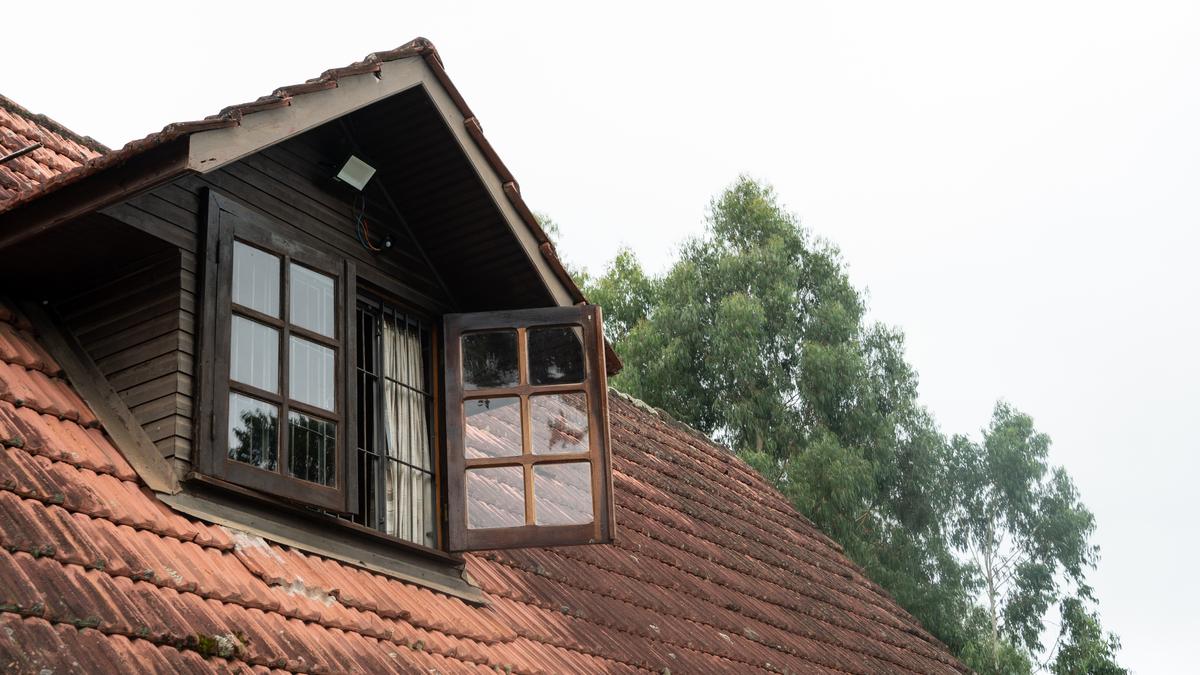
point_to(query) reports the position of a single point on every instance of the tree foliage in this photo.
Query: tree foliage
(757, 336)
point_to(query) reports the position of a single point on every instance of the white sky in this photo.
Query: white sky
(1016, 186)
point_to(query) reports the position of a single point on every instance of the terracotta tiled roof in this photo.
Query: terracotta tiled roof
(61, 149)
(712, 571)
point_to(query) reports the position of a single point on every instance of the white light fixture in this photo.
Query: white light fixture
(356, 173)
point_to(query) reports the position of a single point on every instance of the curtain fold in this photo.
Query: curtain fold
(408, 476)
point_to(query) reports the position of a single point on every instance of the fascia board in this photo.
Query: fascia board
(215, 148)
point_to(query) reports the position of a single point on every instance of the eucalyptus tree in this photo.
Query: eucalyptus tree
(757, 337)
(1028, 534)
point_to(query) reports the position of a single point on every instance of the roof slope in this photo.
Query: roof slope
(61, 151)
(712, 571)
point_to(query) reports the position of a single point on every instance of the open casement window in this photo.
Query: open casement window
(276, 388)
(526, 429)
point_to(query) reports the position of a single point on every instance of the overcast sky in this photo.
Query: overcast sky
(1017, 187)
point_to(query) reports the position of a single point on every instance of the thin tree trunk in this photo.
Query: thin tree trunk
(990, 575)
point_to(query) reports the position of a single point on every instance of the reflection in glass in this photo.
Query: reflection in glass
(253, 431)
(310, 373)
(311, 303)
(489, 360)
(311, 448)
(558, 423)
(555, 355)
(255, 279)
(495, 497)
(562, 493)
(492, 427)
(254, 354)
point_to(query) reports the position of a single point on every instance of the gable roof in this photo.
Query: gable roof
(284, 97)
(100, 160)
(712, 571)
(57, 150)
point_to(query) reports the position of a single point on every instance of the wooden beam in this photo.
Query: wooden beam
(303, 532)
(115, 417)
(93, 192)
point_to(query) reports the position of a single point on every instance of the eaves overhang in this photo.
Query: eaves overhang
(243, 129)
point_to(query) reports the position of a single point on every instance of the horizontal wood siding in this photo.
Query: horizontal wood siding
(137, 324)
(292, 184)
(157, 306)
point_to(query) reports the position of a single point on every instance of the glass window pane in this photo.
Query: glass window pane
(492, 427)
(310, 373)
(253, 431)
(558, 423)
(254, 354)
(255, 279)
(555, 355)
(312, 448)
(311, 302)
(562, 493)
(495, 497)
(489, 360)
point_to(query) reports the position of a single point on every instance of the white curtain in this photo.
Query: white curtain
(409, 490)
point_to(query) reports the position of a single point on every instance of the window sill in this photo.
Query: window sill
(220, 503)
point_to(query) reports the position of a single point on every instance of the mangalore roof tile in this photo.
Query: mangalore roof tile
(60, 149)
(711, 572)
(19, 347)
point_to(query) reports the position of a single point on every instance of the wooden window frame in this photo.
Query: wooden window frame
(587, 317)
(229, 221)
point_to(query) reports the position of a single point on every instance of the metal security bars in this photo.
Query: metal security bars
(395, 444)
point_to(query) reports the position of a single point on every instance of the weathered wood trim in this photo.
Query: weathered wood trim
(215, 148)
(118, 422)
(94, 192)
(494, 182)
(307, 532)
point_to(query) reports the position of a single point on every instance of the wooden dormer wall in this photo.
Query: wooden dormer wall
(137, 323)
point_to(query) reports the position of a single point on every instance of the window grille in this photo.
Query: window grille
(397, 490)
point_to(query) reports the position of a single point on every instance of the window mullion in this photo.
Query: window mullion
(284, 364)
(526, 427)
(381, 449)
(429, 361)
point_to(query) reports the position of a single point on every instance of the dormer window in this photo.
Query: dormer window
(327, 392)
